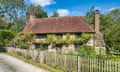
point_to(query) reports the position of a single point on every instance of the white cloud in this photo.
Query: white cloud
(63, 12)
(42, 3)
(113, 8)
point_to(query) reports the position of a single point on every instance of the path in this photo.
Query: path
(11, 64)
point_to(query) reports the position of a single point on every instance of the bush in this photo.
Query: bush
(86, 51)
(24, 46)
(5, 37)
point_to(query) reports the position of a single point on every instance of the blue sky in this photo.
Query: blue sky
(74, 7)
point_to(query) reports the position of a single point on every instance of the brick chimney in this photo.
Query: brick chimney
(97, 21)
(31, 16)
(99, 40)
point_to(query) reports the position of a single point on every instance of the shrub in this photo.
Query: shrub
(23, 40)
(23, 46)
(86, 51)
(5, 37)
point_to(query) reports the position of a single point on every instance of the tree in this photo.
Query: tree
(14, 14)
(112, 38)
(37, 10)
(109, 26)
(11, 8)
(90, 16)
(115, 15)
(55, 14)
(3, 23)
(18, 24)
(11, 15)
(5, 37)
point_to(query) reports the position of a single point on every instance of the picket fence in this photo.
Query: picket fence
(69, 63)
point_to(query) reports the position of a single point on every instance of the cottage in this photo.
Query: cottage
(64, 33)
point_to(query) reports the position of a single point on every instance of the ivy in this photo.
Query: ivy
(84, 38)
(68, 40)
(59, 40)
(50, 38)
(24, 40)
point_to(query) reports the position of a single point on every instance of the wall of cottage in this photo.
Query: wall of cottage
(65, 48)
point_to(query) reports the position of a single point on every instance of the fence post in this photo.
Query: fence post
(55, 59)
(41, 57)
(78, 64)
(118, 66)
(65, 65)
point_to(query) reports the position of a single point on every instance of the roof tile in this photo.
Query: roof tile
(58, 25)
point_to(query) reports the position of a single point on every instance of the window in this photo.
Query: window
(45, 46)
(58, 48)
(58, 35)
(78, 35)
(37, 46)
(41, 36)
(77, 45)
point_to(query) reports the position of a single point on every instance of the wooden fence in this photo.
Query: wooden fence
(70, 63)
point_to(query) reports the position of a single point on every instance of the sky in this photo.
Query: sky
(74, 7)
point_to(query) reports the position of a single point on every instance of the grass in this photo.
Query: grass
(44, 66)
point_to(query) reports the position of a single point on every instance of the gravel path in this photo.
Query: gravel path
(11, 64)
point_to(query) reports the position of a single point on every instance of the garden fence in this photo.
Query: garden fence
(70, 63)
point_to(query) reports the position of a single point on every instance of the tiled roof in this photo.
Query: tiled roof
(74, 24)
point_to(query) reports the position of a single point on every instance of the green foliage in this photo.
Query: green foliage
(10, 8)
(86, 51)
(55, 14)
(18, 24)
(115, 15)
(67, 40)
(3, 23)
(14, 14)
(41, 47)
(112, 38)
(83, 39)
(90, 16)
(50, 38)
(109, 26)
(5, 37)
(24, 40)
(59, 40)
(38, 11)
(23, 46)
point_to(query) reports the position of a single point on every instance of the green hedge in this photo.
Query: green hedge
(23, 46)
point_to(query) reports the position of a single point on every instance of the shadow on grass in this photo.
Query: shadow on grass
(2, 49)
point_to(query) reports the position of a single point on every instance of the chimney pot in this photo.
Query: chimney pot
(96, 11)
